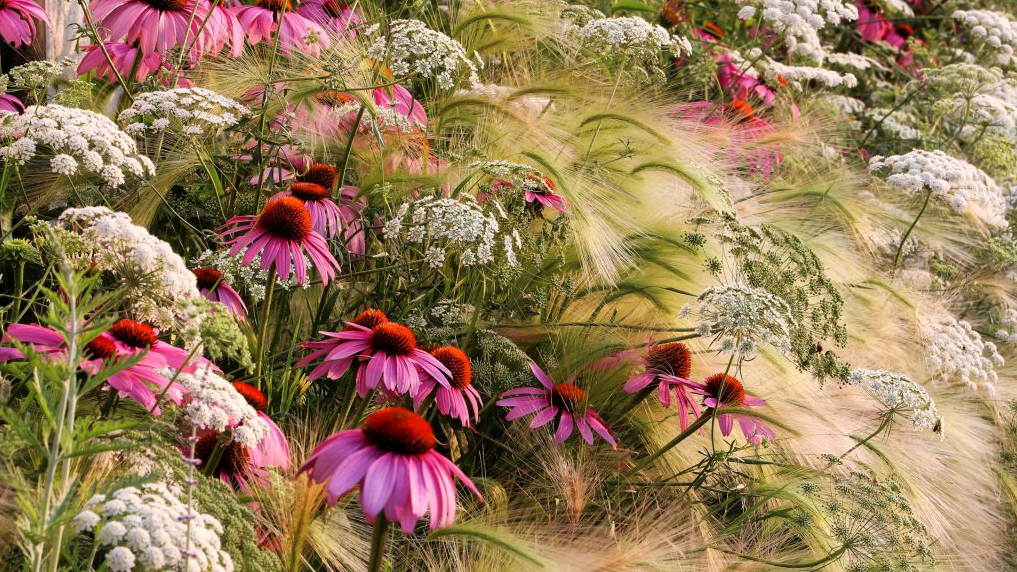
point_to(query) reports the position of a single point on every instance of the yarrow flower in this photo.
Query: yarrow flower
(192, 111)
(565, 403)
(413, 48)
(799, 21)
(899, 394)
(281, 234)
(954, 351)
(741, 317)
(668, 366)
(459, 398)
(148, 528)
(391, 458)
(960, 185)
(720, 391)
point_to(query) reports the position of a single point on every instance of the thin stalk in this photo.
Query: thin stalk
(904, 239)
(263, 326)
(699, 422)
(378, 537)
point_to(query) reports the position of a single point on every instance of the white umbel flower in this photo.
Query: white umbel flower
(995, 29)
(960, 185)
(153, 531)
(798, 76)
(631, 37)
(898, 393)
(740, 317)
(954, 351)
(185, 110)
(212, 403)
(413, 48)
(799, 21)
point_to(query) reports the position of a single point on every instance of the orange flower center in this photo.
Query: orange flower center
(276, 5)
(742, 108)
(286, 217)
(134, 334)
(308, 191)
(100, 348)
(713, 29)
(334, 9)
(370, 318)
(400, 431)
(393, 339)
(321, 174)
(254, 398)
(672, 12)
(167, 5)
(673, 359)
(727, 390)
(568, 396)
(233, 457)
(457, 362)
(208, 278)
(335, 98)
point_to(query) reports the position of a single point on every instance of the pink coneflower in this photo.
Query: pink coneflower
(235, 463)
(541, 191)
(457, 399)
(143, 381)
(392, 458)
(281, 234)
(563, 401)
(261, 20)
(398, 99)
(871, 25)
(211, 286)
(331, 367)
(17, 21)
(131, 335)
(746, 132)
(123, 56)
(327, 219)
(155, 26)
(668, 366)
(390, 350)
(741, 84)
(726, 391)
(336, 17)
(11, 103)
(273, 450)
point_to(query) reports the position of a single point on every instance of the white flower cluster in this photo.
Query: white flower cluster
(996, 29)
(798, 76)
(986, 111)
(898, 7)
(799, 21)
(894, 123)
(186, 110)
(853, 60)
(119, 246)
(213, 403)
(75, 140)
(899, 393)
(523, 177)
(149, 529)
(959, 184)
(741, 317)
(529, 106)
(955, 351)
(445, 225)
(38, 74)
(249, 278)
(630, 37)
(843, 103)
(412, 47)
(1007, 333)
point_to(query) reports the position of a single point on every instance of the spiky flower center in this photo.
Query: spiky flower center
(134, 334)
(672, 359)
(334, 9)
(308, 191)
(276, 5)
(741, 108)
(393, 339)
(286, 217)
(100, 348)
(400, 431)
(252, 395)
(727, 390)
(208, 278)
(370, 318)
(233, 457)
(568, 396)
(457, 362)
(167, 5)
(335, 98)
(714, 29)
(320, 174)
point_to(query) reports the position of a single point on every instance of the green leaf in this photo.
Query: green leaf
(632, 6)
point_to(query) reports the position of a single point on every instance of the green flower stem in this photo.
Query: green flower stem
(378, 537)
(900, 248)
(696, 425)
(265, 318)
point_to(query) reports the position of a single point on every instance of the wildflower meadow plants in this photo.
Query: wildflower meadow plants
(528, 285)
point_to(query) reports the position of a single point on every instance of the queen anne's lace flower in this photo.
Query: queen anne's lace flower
(188, 110)
(740, 317)
(899, 393)
(956, 352)
(149, 529)
(97, 145)
(994, 28)
(959, 184)
(212, 403)
(413, 48)
(632, 38)
(797, 76)
(799, 21)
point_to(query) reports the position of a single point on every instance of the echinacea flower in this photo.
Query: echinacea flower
(326, 217)
(457, 399)
(132, 336)
(211, 286)
(391, 457)
(739, 83)
(394, 362)
(273, 450)
(231, 461)
(123, 56)
(541, 190)
(723, 391)
(10, 103)
(17, 21)
(565, 402)
(142, 381)
(155, 26)
(262, 19)
(336, 17)
(281, 234)
(668, 366)
(334, 368)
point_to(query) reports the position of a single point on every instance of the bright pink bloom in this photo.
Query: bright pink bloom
(398, 99)
(871, 25)
(668, 366)
(393, 359)
(11, 103)
(336, 17)
(726, 391)
(392, 458)
(137, 381)
(261, 21)
(156, 26)
(740, 84)
(123, 56)
(211, 286)
(17, 21)
(459, 398)
(281, 234)
(273, 450)
(541, 190)
(565, 402)
(746, 130)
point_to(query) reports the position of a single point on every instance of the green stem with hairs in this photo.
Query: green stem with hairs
(378, 537)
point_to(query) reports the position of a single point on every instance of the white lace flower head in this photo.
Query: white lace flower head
(954, 351)
(740, 317)
(194, 111)
(212, 403)
(413, 48)
(899, 393)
